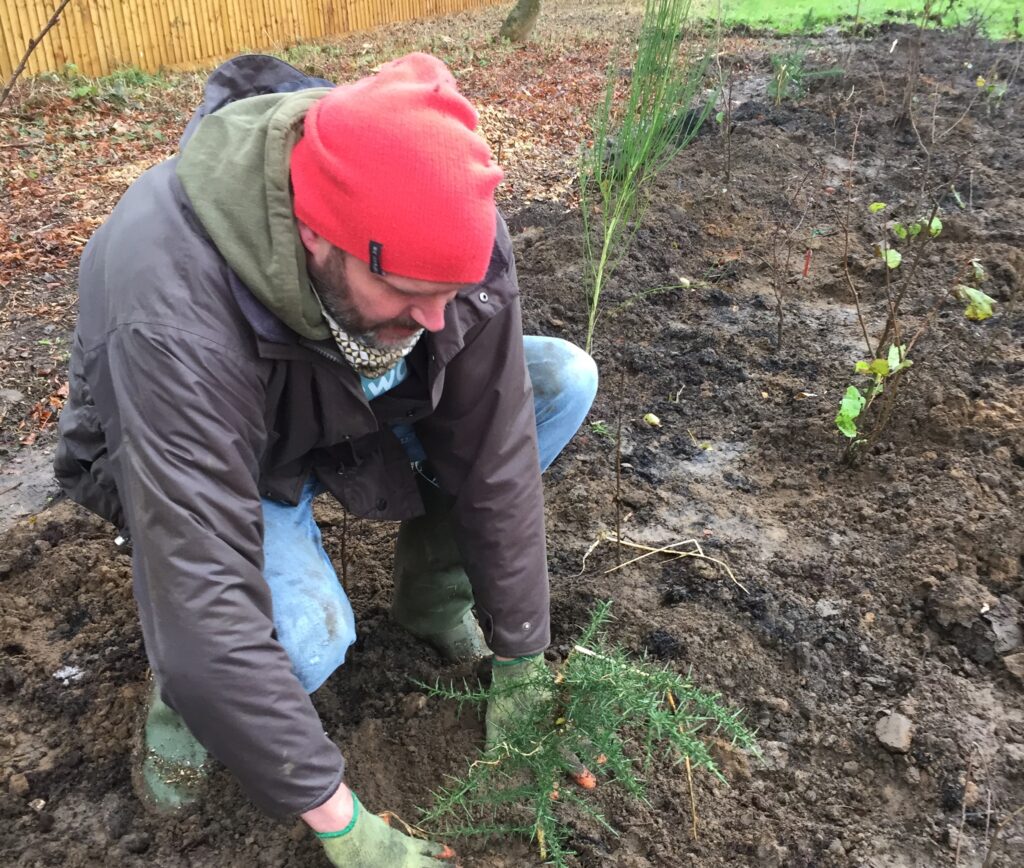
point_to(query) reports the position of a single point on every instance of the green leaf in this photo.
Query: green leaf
(898, 360)
(875, 368)
(893, 258)
(915, 230)
(959, 199)
(849, 409)
(935, 227)
(719, 117)
(875, 207)
(978, 271)
(900, 231)
(979, 304)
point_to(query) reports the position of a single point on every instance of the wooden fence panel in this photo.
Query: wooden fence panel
(99, 36)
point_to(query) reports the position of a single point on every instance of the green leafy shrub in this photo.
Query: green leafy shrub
(890, 356)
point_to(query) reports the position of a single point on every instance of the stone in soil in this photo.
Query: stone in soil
(1015, 665)
(895, 731)
(136, 842)
(18, 785)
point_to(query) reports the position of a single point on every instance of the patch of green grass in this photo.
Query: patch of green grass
(997, 16)
(116, 87)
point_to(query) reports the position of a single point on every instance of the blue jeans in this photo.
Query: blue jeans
(312, 615)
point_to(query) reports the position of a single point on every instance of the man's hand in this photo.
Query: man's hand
(509, 703)
(360, 839)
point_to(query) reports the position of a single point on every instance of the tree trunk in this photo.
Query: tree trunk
(520, 21)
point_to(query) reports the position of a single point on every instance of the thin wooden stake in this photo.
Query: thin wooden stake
(618, 456)
(344, 550)
(963, 810)
(997, 841)
(693, 802)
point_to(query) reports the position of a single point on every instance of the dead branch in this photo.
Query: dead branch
(784, 240)
(963, 810)
(693, 801)
(997, 841)
(28, 51)
(913, 76)
(670, 549)
(846, 240)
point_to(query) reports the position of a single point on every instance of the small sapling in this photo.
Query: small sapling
(886, 371)
(625, 717)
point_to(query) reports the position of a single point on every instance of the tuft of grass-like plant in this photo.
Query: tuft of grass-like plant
(635, 140)
(625, 717)
(119, 87)
(790, 75)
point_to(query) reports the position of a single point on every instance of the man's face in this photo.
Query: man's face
(384, 310)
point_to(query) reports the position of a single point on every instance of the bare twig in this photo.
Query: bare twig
(1016, 66)
(414, 831)
(32, 43)
(693, 803)
(727, 94)
(993, 851)
(846, 240)
(618, 454)
(913, 76)
(881, 82)
(784, 241)
(853, 37)
(892, 323)
(959, 120)
(344, 548)
(727, 128)
(670, 549)
(963, 811)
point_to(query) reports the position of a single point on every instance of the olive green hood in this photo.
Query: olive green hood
(235, 171)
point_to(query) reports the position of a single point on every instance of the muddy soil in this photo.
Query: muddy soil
(892, 588)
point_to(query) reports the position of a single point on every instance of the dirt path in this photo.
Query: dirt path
(875, 597)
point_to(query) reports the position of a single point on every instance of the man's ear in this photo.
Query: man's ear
(311, 239)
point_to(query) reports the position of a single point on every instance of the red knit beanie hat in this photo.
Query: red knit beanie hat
(390, 170)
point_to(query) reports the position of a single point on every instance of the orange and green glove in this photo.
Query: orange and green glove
(369, 842)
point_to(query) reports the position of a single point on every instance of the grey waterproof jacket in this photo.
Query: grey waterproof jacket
(190, 399)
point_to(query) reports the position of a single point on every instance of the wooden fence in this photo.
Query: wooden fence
(99, 36)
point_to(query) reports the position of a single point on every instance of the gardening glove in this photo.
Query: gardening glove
(369, 842)
(508, 703)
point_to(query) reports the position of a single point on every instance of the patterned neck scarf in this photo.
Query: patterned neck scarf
(370, 362)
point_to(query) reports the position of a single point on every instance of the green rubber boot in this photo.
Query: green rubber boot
(433, 598)
(169, 767)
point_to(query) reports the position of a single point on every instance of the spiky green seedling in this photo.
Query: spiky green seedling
(622, 716)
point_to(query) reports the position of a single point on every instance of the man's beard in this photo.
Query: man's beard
(336, 297)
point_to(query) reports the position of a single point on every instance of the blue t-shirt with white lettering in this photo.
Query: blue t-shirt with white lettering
(385, 382)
